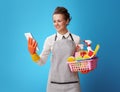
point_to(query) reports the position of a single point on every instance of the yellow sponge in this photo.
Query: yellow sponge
(71, 59)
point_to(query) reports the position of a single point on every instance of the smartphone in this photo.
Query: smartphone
(27, 35)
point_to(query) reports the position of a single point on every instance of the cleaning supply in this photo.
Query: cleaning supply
(84, 61)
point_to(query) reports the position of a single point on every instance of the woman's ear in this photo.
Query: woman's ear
(67, 22)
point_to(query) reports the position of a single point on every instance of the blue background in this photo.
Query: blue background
(97, 20)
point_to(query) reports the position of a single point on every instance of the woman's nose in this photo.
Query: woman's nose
(55, 23)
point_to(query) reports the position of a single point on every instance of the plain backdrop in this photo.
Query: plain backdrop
(97, 20)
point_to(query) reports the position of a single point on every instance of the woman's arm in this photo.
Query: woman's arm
(45, 52)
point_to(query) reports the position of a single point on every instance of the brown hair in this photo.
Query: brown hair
(64, 11)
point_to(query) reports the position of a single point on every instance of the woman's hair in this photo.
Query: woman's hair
(64, 11)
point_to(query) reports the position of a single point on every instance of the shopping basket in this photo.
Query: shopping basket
(83, 66)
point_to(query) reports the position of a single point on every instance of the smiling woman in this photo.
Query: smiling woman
(61, 79)
(61, 19)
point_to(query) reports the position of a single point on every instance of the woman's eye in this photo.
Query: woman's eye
(54, 21)
(59, 20)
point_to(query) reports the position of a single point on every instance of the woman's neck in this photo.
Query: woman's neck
(62, 32)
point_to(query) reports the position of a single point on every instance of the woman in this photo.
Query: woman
(62, 45)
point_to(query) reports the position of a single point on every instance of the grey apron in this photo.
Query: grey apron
(61, 79)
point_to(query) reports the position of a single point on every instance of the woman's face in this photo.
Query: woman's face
(59, 22)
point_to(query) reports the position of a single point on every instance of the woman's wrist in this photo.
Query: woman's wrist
(35, 57)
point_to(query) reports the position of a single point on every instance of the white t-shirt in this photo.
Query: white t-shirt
(48, 45)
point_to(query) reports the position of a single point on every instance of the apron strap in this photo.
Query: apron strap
(67, 37)
(65, 82)
(55, 37)
(71, 37)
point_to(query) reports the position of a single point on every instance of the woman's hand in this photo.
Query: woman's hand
(32, 44)
(79, 47)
